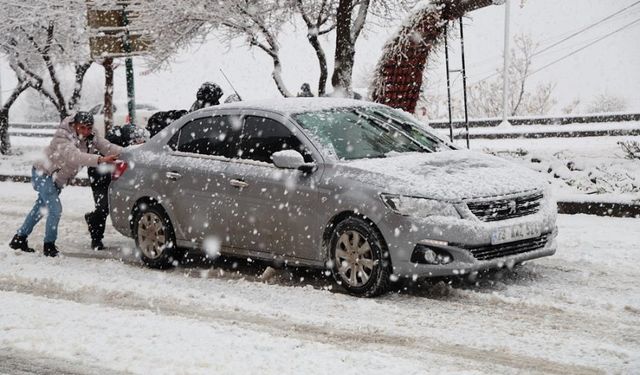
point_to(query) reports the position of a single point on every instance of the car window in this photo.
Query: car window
(262, 136)
(353, 134)
(207, 136)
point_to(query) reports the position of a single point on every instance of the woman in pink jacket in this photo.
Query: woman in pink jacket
(64, 157)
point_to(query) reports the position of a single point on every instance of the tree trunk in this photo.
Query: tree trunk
(5, 142)
(322, 62)
(343, 67)
(277, 75)
(108, 94)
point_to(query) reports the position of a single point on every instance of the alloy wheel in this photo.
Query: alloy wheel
(152, 238)
(354, 258)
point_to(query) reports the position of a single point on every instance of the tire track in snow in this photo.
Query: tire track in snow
(19, 362)
(402, 346)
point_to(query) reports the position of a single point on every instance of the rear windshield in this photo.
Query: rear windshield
(367, 132)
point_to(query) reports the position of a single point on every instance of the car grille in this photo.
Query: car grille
(503, 209)
(512, 248)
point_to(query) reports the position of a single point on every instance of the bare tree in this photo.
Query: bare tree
(485, 96)
(351, 18)
(320, 20)
(604, 103)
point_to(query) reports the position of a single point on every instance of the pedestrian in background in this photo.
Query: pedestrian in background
(208, 95)
(305, 91)
(65, 155)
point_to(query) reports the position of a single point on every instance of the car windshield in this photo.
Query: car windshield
(367, 132)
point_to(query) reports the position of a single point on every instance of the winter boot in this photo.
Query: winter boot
(87, 218)
(20, 243)
(50, 249)
(97, 245)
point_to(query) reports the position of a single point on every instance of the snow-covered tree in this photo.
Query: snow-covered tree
(39, 39)
(5, 141)
(175, 24)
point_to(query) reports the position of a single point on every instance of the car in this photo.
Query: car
(121, 114)
(358, 188)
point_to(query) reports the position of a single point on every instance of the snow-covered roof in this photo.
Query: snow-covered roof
(295, 105)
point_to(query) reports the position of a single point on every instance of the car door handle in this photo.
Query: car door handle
(173, 175)
(238, 183)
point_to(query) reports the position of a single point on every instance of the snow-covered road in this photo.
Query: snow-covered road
(577, 312)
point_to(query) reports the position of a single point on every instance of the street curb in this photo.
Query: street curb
(570, 208)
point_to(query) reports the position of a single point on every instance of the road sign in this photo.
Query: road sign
(110, 31)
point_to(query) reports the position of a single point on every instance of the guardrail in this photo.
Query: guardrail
(44, 130)
(546, 120)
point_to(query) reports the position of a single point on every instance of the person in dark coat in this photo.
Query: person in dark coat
(162, 119)
(208, 95)
(305, 91)
(100, 178)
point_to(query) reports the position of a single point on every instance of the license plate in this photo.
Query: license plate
(515, 233)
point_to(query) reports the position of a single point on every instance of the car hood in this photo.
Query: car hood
(448, 175)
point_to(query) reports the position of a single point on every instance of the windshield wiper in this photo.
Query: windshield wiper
(404, 129)
(374, 121)
(407, 126)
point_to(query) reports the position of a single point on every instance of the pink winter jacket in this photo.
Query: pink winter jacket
(67, 153)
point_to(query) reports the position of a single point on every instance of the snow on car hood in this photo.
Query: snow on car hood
(447, 175)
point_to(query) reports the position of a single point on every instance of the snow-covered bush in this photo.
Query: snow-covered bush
(631, 149)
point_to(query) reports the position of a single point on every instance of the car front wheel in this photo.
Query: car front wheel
(360, 262)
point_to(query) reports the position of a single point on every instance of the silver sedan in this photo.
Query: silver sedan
(358, 188)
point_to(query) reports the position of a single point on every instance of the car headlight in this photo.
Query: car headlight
(419, 207)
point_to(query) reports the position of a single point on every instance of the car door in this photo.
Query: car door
(273, 210)
(195, 178)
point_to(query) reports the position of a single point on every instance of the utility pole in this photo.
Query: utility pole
(131, 95)
(505, 67)
(1, 84)
(446, 57)
(464, 84)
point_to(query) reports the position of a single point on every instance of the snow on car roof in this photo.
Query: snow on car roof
(295, 105)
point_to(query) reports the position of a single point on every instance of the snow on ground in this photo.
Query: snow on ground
(580, 169)
(577, 312)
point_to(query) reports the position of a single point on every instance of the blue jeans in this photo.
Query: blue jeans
(49, 197)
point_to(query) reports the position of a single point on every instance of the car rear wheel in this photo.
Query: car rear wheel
(155, 237)
(360, 261)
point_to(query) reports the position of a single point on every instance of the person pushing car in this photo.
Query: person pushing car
(65, 155)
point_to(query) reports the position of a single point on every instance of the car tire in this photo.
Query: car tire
(155, 237)
(359, 259)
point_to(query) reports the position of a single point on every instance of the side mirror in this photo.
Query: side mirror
(291, 159)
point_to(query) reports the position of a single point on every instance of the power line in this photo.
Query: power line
(575, 33)
(571, 36)
(582, 48)
(585, 29)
